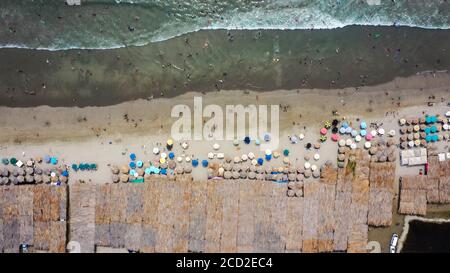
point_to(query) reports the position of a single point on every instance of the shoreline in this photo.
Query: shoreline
(213, 60)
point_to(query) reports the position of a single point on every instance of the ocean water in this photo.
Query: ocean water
(105, 24)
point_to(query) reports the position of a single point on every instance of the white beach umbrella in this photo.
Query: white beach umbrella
(184, 145)
(353, 146)
(374, 132)
(235, 142)
(313, 167)
(52, 174)
(220, 155)
(316, 157)
(163, 155)
(286, 160)
(251, 155)
(411, 144)
(307, 165)
(276, 154)
(342, 142)
(392, 133)
(402, 121)
(179, 159)
(348, 142)
(244, 157)
(237, 159)
(381, 131)
(210, 155)
(358, 138)
(156, 150)
(447, 114)
(446, 127)
(301, 136)
(188, 159)
(268, 152)
(254, 162)
(367, 145)
(216, 146)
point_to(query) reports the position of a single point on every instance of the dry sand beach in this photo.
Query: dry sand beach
(107, 135)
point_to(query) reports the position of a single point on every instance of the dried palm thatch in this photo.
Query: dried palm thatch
(413, 196)
(382, 178)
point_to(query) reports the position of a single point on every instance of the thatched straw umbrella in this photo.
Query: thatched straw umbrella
(300, 169)
(403, 130)
(124, 178)
(316, 173)
(422, 120)
(299, 177)
(317, 145)
(38, 178)
(341, 157)
(290, 193)
(187, 169)
(4, 172)
(227, 166)
(237, 168)
(13, 180)
(29, 171)
(410, 137)
(115, 178)
(20, 179)
(245, 168)
(227, 175)
(291, 185)
(292, 177)
(124, 169)
(14, 172)
(307, 173)
(252, 168)
(342, 150)
(243, 175)
(423, 135)
(235, 175)
(179, 170)
(252, 175)
(115, 170)
(299, 193)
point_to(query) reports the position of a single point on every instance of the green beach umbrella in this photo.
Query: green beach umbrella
(13, 160)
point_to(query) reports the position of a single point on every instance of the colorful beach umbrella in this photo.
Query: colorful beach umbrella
(268, 157)
(132, 165)
(342, 130)
(247, 140)
(260, 161)
(363, 133)
(205, 163)
(139, 164)
(323, 131)
(133, 156)
(171, 155)
(286, 152)
(363, 125)
(335, 137)
(345, 124)
(54, 160)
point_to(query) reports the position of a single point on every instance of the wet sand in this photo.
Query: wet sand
(209, 61)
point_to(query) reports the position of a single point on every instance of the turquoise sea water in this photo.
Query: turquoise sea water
(101, 24)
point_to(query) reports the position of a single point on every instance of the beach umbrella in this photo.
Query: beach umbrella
(247, 140)
(345, 124)
(235, 142)
(323, 131)
(392, 133)
(257, 141)
(293, 139)
(75, 167)
(374, 133)
(132, 165)
(363, 133)
(268, 152)
(184, 145)
(416, 128)
(363, 125)
(268, 157)
(148, 171)
(335, 137)
(353, 146)
(260, 161)
(335, 122)
(187, 159)
(163, 171)
(433, 129)
(307, 165)
(369, 137)
(210, 155)
(367, 145)
(433, 119)
(348, 130)
(132, 157)
(4, 172)
(411, 144)
(20, 179)
(216, 146)
(427, 130)
(124, 178)
(254, 162)
(139, 164)
(251, 155)
(434, 138)
(46, 159)
(334, 130)
(244, 157)
(342, 142)
(446, 127)
(348, 142)
(156, 150)
(354, 133)
(266, 137)
(286, 160)
(54, 160)
(172, 164)
(169, 144)
(132, 172)
(316, 157)
(286, 152)
(163, 155)
(358, 138)
(313, 167)
(381, 131)
(205, 163)
(124, 169)
(171, 155)
(428, 138)
(402, 121)
(220, 155)
(417, 142)
(179, 159)
(301, 136)
(327, 124)
(237, 159)
(276, 154)
(5, 161)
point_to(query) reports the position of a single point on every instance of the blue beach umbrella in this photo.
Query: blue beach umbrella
(163, 171)
(47, 159)
(348, 130)
(435, 138)
(205, 163)
(5, 161)
(433, 119)
(433, 129)
(195, 162)
(286, 152)
(363, 125)
(139, 164)
(428, 138)
(75, 167)
(363, 133)
(266, 137)
(54, 160)
(133, 156)
(132, 165)
(268, 157)
(148, 171)
(247, 140)
(345, 124)
(93, 166)
(427, 130)
(65, 173)
(260, 161)
(354, 133)
(171, 155)
(132, 172)
(257, 141)
(342, 130)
